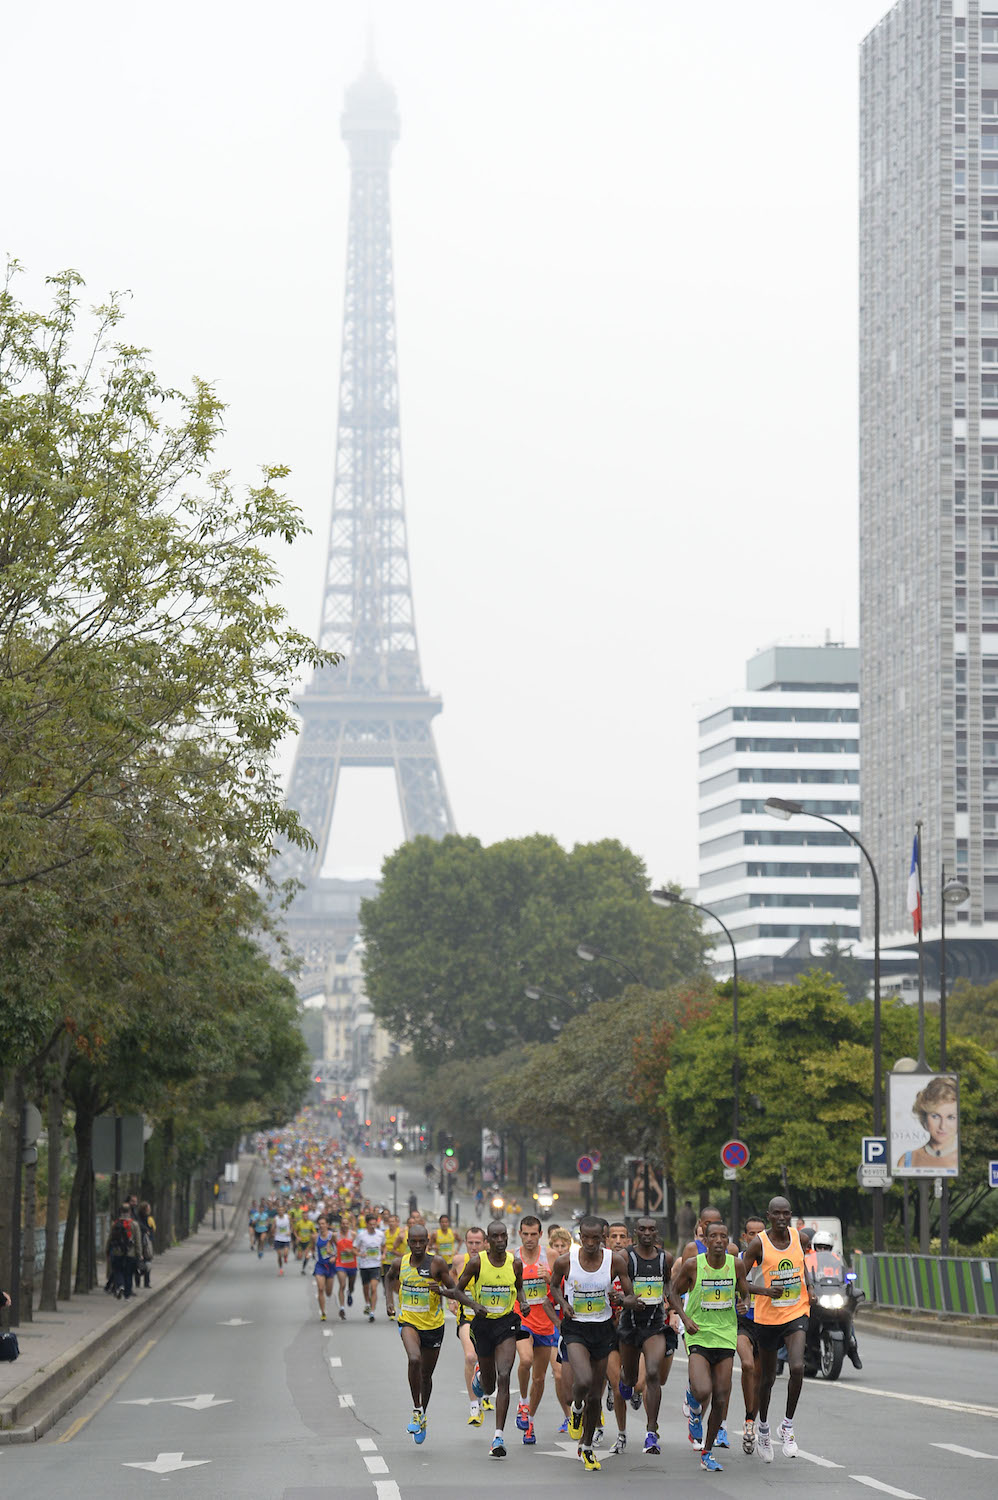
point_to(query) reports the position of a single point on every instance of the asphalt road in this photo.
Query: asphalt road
(259, 1400)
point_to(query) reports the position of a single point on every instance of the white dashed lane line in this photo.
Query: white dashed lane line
(334, 1363)
(815, 1458)
(937, 1403)
(346, 1401)
(376, 1465)
(965, 1452)
(885, 1489)
(387, 1489)
(367, 1445)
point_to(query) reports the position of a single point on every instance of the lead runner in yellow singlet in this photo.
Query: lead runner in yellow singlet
(419, 1282)
(496, 1280)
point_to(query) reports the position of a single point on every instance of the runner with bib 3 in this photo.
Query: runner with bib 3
(495, 1280)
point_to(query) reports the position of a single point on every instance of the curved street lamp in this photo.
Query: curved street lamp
(665, 897)
(784, 807)
(589, 953)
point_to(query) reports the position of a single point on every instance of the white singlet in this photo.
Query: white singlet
(588, 1292)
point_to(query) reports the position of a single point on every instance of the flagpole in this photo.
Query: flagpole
(922, 1064)
(923, 1067)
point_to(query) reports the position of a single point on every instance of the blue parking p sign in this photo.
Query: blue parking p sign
(993, 1173)
(875, 1151)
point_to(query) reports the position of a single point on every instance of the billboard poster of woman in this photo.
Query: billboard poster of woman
(924, 1123)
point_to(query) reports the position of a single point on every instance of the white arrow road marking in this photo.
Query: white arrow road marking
(964, 1452)
(196, 1403)
(335, 1363)
(346, 1401)
(376, 1465)
(815, 1458)
(166, 1463)
(563, 1450)
(367, 1445)
(886, 1489)
(234, 1323)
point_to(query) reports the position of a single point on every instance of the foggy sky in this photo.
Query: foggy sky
(625, 252)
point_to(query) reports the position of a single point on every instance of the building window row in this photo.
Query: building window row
(754, 901)
(799, 838)
(771, 746)
(779, 870)
(747, 806)
(788, 930)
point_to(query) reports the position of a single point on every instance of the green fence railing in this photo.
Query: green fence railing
(930, 1283)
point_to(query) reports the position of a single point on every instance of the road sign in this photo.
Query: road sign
(993, 1173)
(735, 1154)
(730, 1173)
(585, 1176)
(873, 1177)
(584, 1165)
(595, 1158)
(451, 1164)
(875, 1151)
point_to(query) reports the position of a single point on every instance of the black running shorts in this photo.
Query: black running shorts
(599, 1338)
(770, 1336)
(488, 1333)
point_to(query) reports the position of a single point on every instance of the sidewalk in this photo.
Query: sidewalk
(929, 1328)
(66, 1352)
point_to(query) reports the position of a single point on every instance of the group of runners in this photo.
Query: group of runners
(604, 1315)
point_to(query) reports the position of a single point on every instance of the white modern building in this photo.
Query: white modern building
(792, 733)
(929, 465)
(355, 1043)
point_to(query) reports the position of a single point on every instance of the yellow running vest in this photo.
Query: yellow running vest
(420, 1303)
(495, 1286)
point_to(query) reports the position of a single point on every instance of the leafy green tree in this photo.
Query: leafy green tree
(459, 930)
(839, 964)
(972, 1011)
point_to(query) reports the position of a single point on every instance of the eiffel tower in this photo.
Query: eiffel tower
(372, 709)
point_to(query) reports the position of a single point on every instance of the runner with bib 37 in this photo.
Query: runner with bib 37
(780, 1317)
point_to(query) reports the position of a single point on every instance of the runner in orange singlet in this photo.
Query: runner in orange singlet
(781, 1318)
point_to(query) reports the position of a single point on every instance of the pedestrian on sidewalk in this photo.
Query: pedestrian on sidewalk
(125, 1245)
(147, 1225)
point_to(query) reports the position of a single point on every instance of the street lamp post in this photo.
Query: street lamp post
(665, 897)
(954, 893)
(783, 807)
(589, 953)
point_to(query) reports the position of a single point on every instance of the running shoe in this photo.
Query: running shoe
(722, 1437)
(627, 1391)
(696, 1431)
(651, 1443)
(748, 1436)
(691, 1407)
(349, 1299)
(575, 1422)
(609, 1396)
(417, 1425)
(343, 1315)
(709, 1462)
(564, 1426)
(475, 1414)
(523, 1416)
(635, 1401)
(620, 1444)
(789, 1441)
(529, 1436)
(764, 1444)
(476, 1384)
(589, 1459)
(488, 1404)
(498, 1449)
(322, 1317)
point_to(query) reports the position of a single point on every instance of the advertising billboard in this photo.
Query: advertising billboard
(923, 1119)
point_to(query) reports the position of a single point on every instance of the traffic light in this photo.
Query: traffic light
(449, 1148)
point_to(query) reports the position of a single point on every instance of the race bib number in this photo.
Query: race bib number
(535, 1289)
(717, 1295)
(649, 1289)
(584, 1304)
(496, 1298)
(415, 1298)
(786, 1284)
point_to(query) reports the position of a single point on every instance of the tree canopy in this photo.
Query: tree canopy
(459, 930)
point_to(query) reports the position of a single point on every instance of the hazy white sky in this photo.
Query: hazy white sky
(625, 249)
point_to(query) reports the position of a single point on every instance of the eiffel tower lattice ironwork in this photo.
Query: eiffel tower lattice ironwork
(373, 709)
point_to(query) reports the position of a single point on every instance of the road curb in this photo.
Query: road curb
(67, 1378)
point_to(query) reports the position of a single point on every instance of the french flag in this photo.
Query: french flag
(915, 890)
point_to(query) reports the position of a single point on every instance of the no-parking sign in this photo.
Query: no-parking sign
(735, 1154)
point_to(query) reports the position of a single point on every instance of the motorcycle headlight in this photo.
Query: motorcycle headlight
(831, 1299)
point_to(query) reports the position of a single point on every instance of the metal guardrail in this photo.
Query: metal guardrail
(930, 1283)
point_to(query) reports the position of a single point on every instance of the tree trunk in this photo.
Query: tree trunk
(10, 1140)
(164, 1208)
(86, 1253)
(30, 1210)
(72, 1216)
(50, 1271)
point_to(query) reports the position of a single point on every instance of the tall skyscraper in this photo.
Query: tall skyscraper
(929, 462)
(792, 732)
(373, 709)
